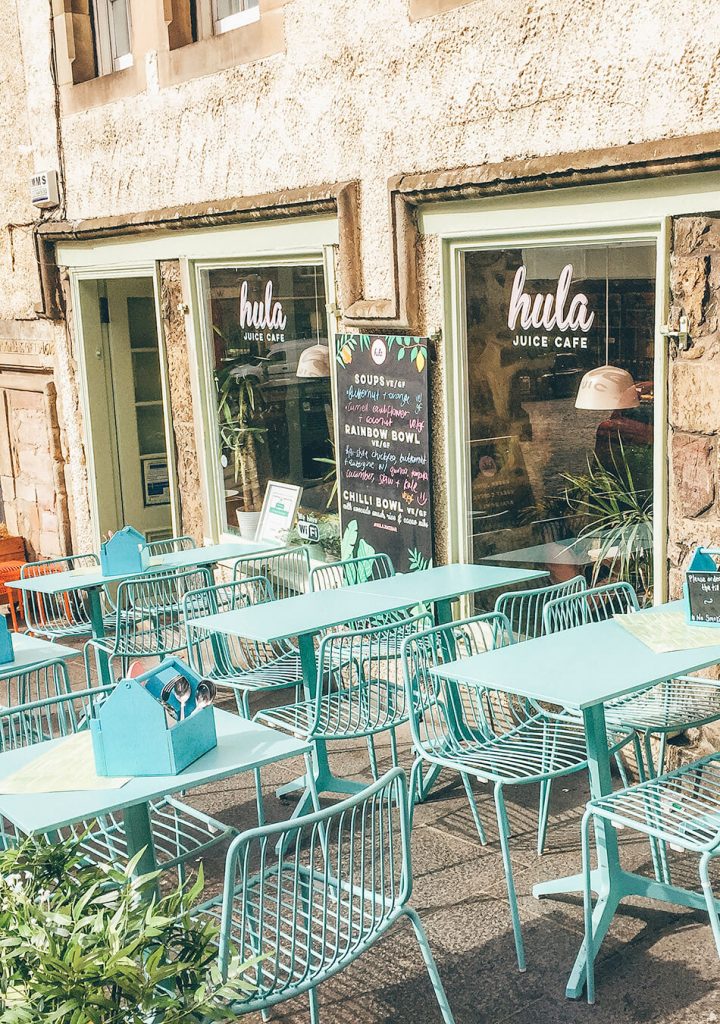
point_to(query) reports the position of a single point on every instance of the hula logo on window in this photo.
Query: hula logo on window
(378, 351)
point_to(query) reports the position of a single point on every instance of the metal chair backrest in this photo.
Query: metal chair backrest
(363, 668)
(220, 655)
(524, 608)
(365, 569)
(589, 606)
(344, 879)
(57, 615)
(288, 570)
(447, 716)
(170, 545)
(149, 617)
(44, 707)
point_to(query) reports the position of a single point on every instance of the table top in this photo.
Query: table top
(445, 582)
(578, 668)
(31, 652)
(92, 577)
(242, 746)
(301, 615)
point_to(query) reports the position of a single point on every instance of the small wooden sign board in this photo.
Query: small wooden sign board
(702, 588)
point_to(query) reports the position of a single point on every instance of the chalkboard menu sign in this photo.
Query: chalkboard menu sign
(384, 448)
(702, 588)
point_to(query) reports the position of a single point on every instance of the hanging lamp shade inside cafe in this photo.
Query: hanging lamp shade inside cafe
(314, 362)
(607, 387)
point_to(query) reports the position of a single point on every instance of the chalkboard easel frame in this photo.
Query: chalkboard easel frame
(702, 572)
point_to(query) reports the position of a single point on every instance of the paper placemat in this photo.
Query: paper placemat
(66, 768)
(664, 632)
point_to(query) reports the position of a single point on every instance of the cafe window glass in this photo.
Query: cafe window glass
(554, 486)
(272, 387)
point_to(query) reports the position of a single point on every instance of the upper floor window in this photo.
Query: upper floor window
(111, 26)
(230, 14)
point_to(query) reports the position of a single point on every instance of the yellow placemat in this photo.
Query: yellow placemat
(67, 767)
(664, 632)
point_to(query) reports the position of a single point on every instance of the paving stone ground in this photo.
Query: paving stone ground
(657, 965)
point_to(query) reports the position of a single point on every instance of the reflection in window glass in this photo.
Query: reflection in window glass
(554, 487)
(274, 404)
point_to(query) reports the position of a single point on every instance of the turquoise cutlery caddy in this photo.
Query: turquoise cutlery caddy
(133, 734)
(125, 553)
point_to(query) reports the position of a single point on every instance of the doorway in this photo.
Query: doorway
(126, 402)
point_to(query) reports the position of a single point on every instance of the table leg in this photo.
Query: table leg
(325, 781)
(608, 875)
(98, 632)
(138, 833)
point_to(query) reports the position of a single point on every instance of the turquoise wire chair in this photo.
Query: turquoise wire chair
(287, 570)
(524, 611)
(680, 808)
(170, 545)
(51, 710)
(346, 573)
(672, 706)
(344, 881)
(150, 620)
(360, 691)
(484, 734)
(65, 615)
(524, 608)
(243, 666)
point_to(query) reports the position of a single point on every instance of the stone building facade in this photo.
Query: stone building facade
(376, 140)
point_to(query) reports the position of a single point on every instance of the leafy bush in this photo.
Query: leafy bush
(83, 943)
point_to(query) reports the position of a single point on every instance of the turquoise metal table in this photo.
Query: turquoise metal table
(582, 669)
(33, 652)
(443, 584)
(242, 746)
(307, 615)
(93, 580)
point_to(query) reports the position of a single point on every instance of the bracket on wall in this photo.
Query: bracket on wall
(682, 334)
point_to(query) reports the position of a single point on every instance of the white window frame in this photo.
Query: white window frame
(640, 209)
(249, 14)
(107, 59)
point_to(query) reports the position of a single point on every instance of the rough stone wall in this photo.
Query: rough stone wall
(186, 456)
(694, 415)
(364, 93)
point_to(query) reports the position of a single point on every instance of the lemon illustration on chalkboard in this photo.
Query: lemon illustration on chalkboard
(420, 362)
(346, 354)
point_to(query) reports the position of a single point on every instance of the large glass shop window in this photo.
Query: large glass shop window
(272, 377)
(561, 463)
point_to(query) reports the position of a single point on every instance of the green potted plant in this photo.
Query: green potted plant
(84, 943)
(239, 401)
(614, 509)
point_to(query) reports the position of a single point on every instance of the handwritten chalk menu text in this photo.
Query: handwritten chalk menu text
(703, 591)
(384, 449)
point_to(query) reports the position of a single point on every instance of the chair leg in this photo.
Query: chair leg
(430, 965)
(242, 699)
(314, 1011)
(473, 807)
(259, 797)
(394, 749)
(622, 771)
(507, 864)
(373, 757)
(414, 787)
(661, 853)
(543, 813)
(588, 908)
(710, 898)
